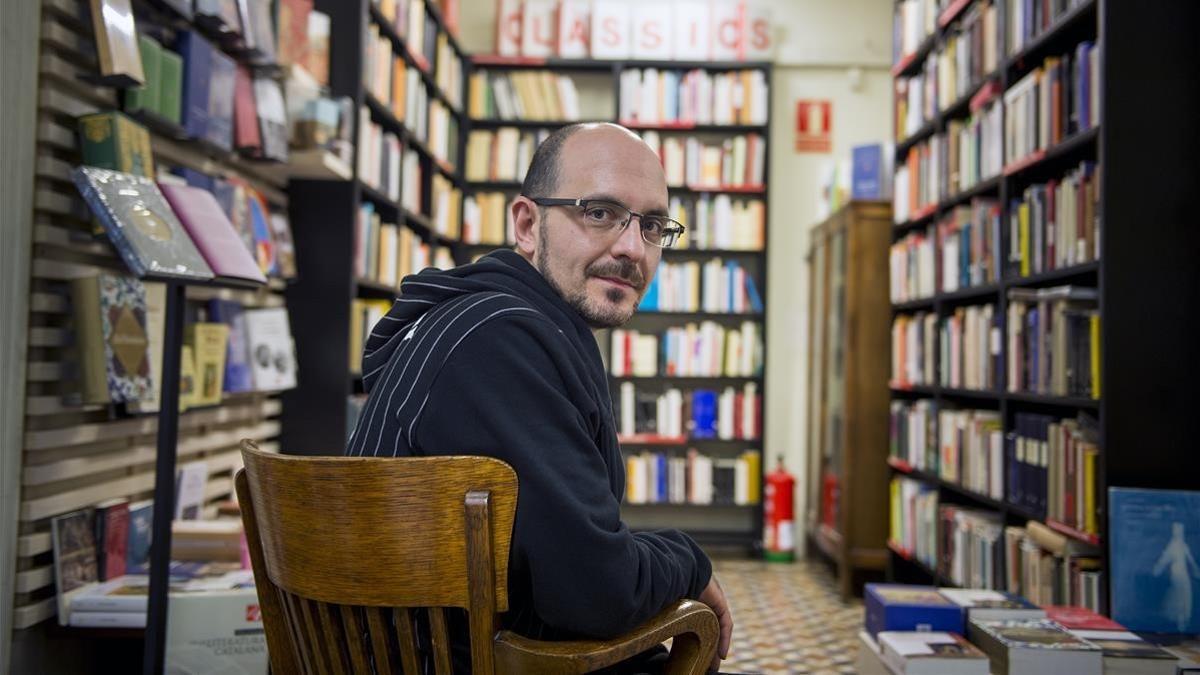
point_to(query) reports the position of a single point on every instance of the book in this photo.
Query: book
(141, 224)
(1080, 618)
(109, 312)
(260, 230)
(212, 232)
(191, 479)
(285, 248)
(156, 315)
(221, 93)
(1034, 647)
(931, 653)
(238, 377)
(170, 93)
(992, 605)
(111, 140)
(116, 43)
(149, 95)
(1127, 654)
(112, 537)
(291, 22)
(197, 56)
(899, 607)
(871, 178)
(207, 540)
(126, 594)
(1155, 566)
(269, 340)
(271, 119)
(209, 343)
(187, 378)
(141, 519)
(246, 135)
(74, 546)
(316, 57)
(869, 660)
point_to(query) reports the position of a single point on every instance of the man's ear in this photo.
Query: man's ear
(526, 219)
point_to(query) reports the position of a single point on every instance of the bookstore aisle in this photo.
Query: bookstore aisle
(920, 376)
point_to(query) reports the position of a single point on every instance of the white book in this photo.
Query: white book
(124, 594)
(191, 479)
(272, 351)
(628, 413)
(931, 653)
(749, 418)
(725, 412)
(108, 619)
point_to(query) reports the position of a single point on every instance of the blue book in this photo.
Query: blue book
(197, 74)
(661, 494)
(1155, 559)
(650, 299)
(756, 303)
(137, 555)
(867, 178)
(238, 374)
(194, 178)
(704, 413)
(901, 607)
(731, 269)
(220, 101)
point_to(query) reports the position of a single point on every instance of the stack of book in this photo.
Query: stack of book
(1026, 21)
(913, 267)
(913, 22)
(707, 349)
(916, 185)
(364, 314)
(716, 286)
(969, 243)
(720, 222)
(699, 414)
(972, 450)
(448, 73)
(915, 103)
(913, 525)
(1056, 224)
(735, 162)
(970, 548)
(442, 135)
(501, 155)
(1052, 569)
(1052, 468)
(912, 434)
(651, 97)
(970, 54)
(969, 356)
(445, 206)
(379, 156)
(974, 149)
(659, 478)
(1054, 341)
(385, 253)
(914, 349)
(1052, 102)
(485, 219)
(525, 95)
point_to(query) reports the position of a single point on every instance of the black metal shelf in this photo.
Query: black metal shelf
(916, 390)
(383, 115)
(1076, 402)
(924, 131)
(417, 222)
(969, 295)
(1068, 148)
(1085, 270)
(911, 65)
(913, 305)
(688, 505)
(374, 289)
(921, 219)
(982, 187)
(978, 395)
(688, 379)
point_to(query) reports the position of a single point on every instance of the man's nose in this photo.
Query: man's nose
(629, 242)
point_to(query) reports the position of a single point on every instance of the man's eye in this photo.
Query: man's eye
(599, 214)
(653, 225)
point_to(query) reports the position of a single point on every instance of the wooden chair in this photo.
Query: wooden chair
(348, 552)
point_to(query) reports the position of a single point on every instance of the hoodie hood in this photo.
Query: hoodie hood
(503, 271)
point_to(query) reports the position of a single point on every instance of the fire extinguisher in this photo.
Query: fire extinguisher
(778, 508)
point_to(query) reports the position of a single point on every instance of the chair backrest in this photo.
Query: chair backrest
(348, 552)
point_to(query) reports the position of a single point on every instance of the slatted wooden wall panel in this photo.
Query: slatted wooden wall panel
(76, 455)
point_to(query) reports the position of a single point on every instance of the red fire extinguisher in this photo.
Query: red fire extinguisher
(779, 532)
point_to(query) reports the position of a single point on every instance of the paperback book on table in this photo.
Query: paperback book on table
(992, 605)
(901, 607)
(1127, 654)
(931, 653)
(1034, 647)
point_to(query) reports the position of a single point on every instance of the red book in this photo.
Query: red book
(246, 135)
(628, 353)
(213, 234)
(1078, 618)
(739, 426)
(112, 538)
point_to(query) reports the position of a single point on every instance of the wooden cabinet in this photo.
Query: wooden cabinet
(848, 361)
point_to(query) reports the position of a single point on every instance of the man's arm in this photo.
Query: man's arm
(509, 391)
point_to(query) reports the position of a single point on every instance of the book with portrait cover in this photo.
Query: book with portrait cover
(141, 224)
(1156, 559)
(74, 545)
(109, 313)
(272, 352)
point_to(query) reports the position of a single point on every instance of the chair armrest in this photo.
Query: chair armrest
(692, 625)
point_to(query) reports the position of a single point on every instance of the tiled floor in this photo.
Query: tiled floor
(788, 619)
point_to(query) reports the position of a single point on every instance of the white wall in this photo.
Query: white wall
(838, 50)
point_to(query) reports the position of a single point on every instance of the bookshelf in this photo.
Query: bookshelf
(847, 338)
(1148, 371)
(327, 213)
(710, 524)
(73, 455)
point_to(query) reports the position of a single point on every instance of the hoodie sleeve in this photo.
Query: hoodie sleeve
(509, 391)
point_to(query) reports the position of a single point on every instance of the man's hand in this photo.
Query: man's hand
(714, 597)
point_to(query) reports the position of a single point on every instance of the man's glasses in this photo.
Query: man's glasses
(603, 216)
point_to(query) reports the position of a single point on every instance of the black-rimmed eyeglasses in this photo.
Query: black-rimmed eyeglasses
(604, 216)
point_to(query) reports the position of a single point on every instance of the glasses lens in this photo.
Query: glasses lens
(661, 231)
(605, 215)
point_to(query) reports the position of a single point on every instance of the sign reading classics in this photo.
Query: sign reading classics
(667, 30)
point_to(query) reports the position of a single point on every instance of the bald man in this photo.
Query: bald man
(497, 358)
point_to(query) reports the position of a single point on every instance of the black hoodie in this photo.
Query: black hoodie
(488, 359)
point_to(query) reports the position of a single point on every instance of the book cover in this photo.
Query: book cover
(291, 21)
(867, 181)
(156, 316)
(110, 140)
(272, 353)
(74, 547)
(112, 538)
(127, 593)
(221, 87)
(316, 60)
(692, 27)
(170, 90)
(190, 481)
(208, 342)
(704, 414)
(187, 378)
(1080, 618)
(141, 519)
(260, 229)
(1156, 563)
(238, 377)
(110, 324)
(147, 96)
(197, 56)
(574, 29)
(915, 652)
(285, 248)
(272, 119)
(992, 605)
(1037, 634)
(140, 224)
(900, 607)
(246, 136)
(652, 32)
(539, 28)
(1121, 644)
(116, 43)
(212, 232)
